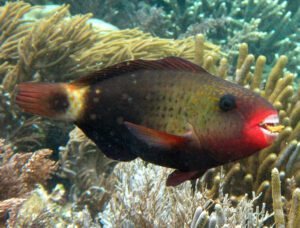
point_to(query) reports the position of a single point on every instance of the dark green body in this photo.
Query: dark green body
(169, 112)
(157, 100)
(173, 96)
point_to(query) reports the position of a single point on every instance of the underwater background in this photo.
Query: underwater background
(52, 175)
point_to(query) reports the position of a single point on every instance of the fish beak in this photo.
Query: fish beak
(270, 126)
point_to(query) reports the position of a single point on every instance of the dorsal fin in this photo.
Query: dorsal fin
(169, 63)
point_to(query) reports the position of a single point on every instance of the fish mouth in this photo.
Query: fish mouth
(270, 126)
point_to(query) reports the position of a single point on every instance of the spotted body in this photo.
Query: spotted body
(168, 112)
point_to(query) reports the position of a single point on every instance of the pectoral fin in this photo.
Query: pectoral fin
(154, 137)
(178, 177)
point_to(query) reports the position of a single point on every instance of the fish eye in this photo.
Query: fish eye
(227, 102)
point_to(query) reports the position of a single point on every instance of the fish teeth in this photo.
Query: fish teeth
(272, 119)
(271, 126)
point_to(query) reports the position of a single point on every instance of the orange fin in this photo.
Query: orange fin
(44, 99)
(155, 138)
(178, 177)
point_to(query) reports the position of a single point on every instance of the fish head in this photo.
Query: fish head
(236, 123)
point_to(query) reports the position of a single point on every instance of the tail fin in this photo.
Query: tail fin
(44, 99)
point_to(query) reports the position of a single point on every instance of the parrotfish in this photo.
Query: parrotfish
(168, 112)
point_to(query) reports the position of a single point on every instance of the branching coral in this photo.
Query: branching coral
(24, 205)
(19, 173)
(294, 216)
(266, 25)
(49, 50)
(88, 170)
(50, 42)
(12, 29)
(260, 23)
(276, 196)
(280, 203)
(41, 209)
(142, 199)
(225, 215)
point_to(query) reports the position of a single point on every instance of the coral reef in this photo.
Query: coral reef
(23, 203)
(271, 27)
(89, 171)
(254, 174)
(60, 47)
(251, 175)
(12, 30)
(19, 172)
(146, 202)
(73, 48)
(140, 200)
(41, 209)
(245, 216)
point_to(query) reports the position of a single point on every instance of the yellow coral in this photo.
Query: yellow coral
(277, 203)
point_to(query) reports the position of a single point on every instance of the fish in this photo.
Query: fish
(169, 112)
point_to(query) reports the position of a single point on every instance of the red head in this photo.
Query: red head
(234, 122)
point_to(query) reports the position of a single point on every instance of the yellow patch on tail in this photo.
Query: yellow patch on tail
(76, 96)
